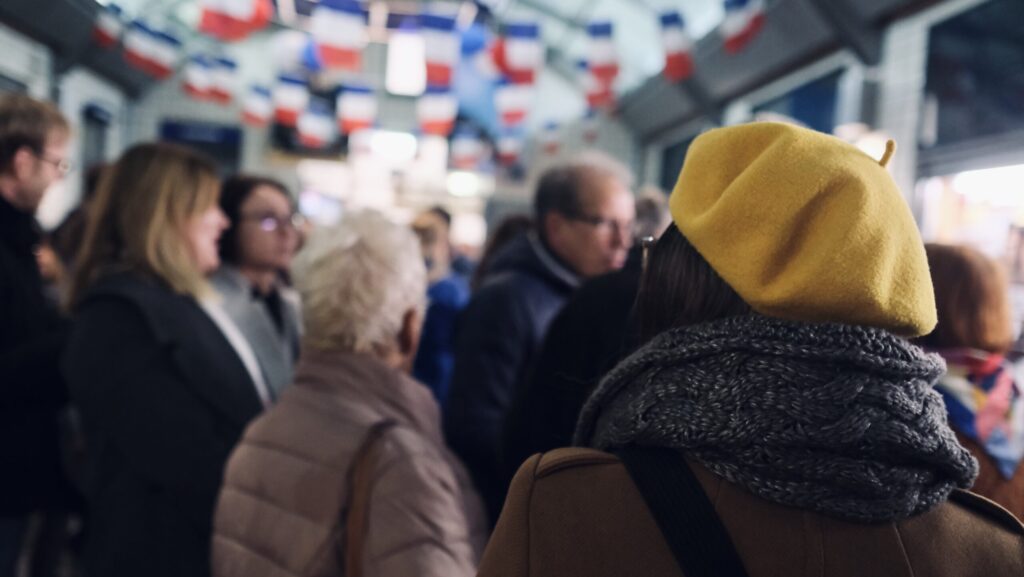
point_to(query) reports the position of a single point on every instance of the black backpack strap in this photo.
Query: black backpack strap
(683, 512)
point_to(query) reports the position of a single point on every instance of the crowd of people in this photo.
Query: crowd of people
(766, 372)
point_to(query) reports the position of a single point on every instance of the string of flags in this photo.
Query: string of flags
(338, 35)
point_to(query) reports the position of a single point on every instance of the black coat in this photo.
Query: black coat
(164, 398)
(591, 335)
(498, 337)
(32, 391)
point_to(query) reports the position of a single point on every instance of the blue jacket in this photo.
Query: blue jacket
(499, 336)
(436, 356)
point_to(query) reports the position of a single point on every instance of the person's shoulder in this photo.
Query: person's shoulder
(993, 513)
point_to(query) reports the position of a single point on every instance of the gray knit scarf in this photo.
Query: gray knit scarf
(836, 419)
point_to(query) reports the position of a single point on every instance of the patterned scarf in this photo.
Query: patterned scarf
(985, 404)
(836, 419)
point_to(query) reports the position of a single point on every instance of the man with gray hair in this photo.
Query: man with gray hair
(584, 227)
(354, 433)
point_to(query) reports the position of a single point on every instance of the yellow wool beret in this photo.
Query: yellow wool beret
(805, 227)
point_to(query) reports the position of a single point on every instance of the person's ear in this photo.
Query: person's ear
(409, 335)
(23, 165)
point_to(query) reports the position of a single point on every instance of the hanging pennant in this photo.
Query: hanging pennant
(602, 56)
(743, 20)
(510, 147)
(339, 31)
(291, 97)
(512, 102)
(549, 138)
(436, 110)
(467, 150)
(224, 75)
(356, 108)
(442, 48)
(231, 20)
(521, 53)
(315, 127)
(678, 47)
(597, 93)
(152, 51)
(258, 108)
(198, 81)
(109, 26)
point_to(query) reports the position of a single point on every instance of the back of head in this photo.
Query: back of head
(972, 298)
(26, 122)
(358, 279)
(801, 226)
(138, 217)
(652, 215)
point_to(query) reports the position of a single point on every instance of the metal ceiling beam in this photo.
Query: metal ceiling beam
(863, 38)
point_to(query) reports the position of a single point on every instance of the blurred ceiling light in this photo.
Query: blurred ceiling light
(398, 148)
(463, 184)
(406, 73)
(1003, 186)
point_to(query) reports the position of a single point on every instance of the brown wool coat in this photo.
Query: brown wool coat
(991, 484)
(576, 513)
(279, 513)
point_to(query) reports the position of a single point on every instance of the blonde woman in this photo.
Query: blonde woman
(164, 385)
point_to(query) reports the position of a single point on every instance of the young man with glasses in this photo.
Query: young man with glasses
(584, 213)
(256, 251)
(33, 155)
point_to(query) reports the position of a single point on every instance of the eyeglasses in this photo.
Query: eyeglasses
(63, 165)
(272, 222)
(606, 225)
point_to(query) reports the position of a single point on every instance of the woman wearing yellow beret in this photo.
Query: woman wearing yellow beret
(777, 421)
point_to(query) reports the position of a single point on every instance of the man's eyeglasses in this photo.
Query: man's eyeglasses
(271, 222)
(63, 165)
(606, 225)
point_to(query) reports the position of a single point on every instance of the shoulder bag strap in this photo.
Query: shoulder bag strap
(358, 515)
(683, 512)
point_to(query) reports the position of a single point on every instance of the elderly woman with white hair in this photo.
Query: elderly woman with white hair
(348, 474)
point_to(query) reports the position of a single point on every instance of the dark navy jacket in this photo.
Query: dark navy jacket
(499, 336)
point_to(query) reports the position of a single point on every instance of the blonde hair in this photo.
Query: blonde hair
(357, 280)
(137, 219)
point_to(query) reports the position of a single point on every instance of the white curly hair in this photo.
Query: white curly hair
(357, 280)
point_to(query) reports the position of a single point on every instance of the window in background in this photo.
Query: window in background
(813, 104)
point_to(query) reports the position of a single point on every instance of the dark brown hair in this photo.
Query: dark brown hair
(679, 288)
(510, 228)
(972, 298)
(233, 193)
(26, 122)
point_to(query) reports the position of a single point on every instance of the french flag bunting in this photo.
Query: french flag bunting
(356, 109)
(339, 30)
(291, 97)
(512, 102)
(166, 52)
(152, 51)
(230, 20)
(258, 108)
(198, 82)
(598, 94)
(466, 151)
(436, 110)
(510, 147)
(442, 45)
(109, 26)
(602, 56)
(678, 47)
(224, 76)
(316, 128)
(549, 138)
(743, 20)
(522, 52)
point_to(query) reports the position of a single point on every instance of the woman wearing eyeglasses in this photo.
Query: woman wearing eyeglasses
(255, 250)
